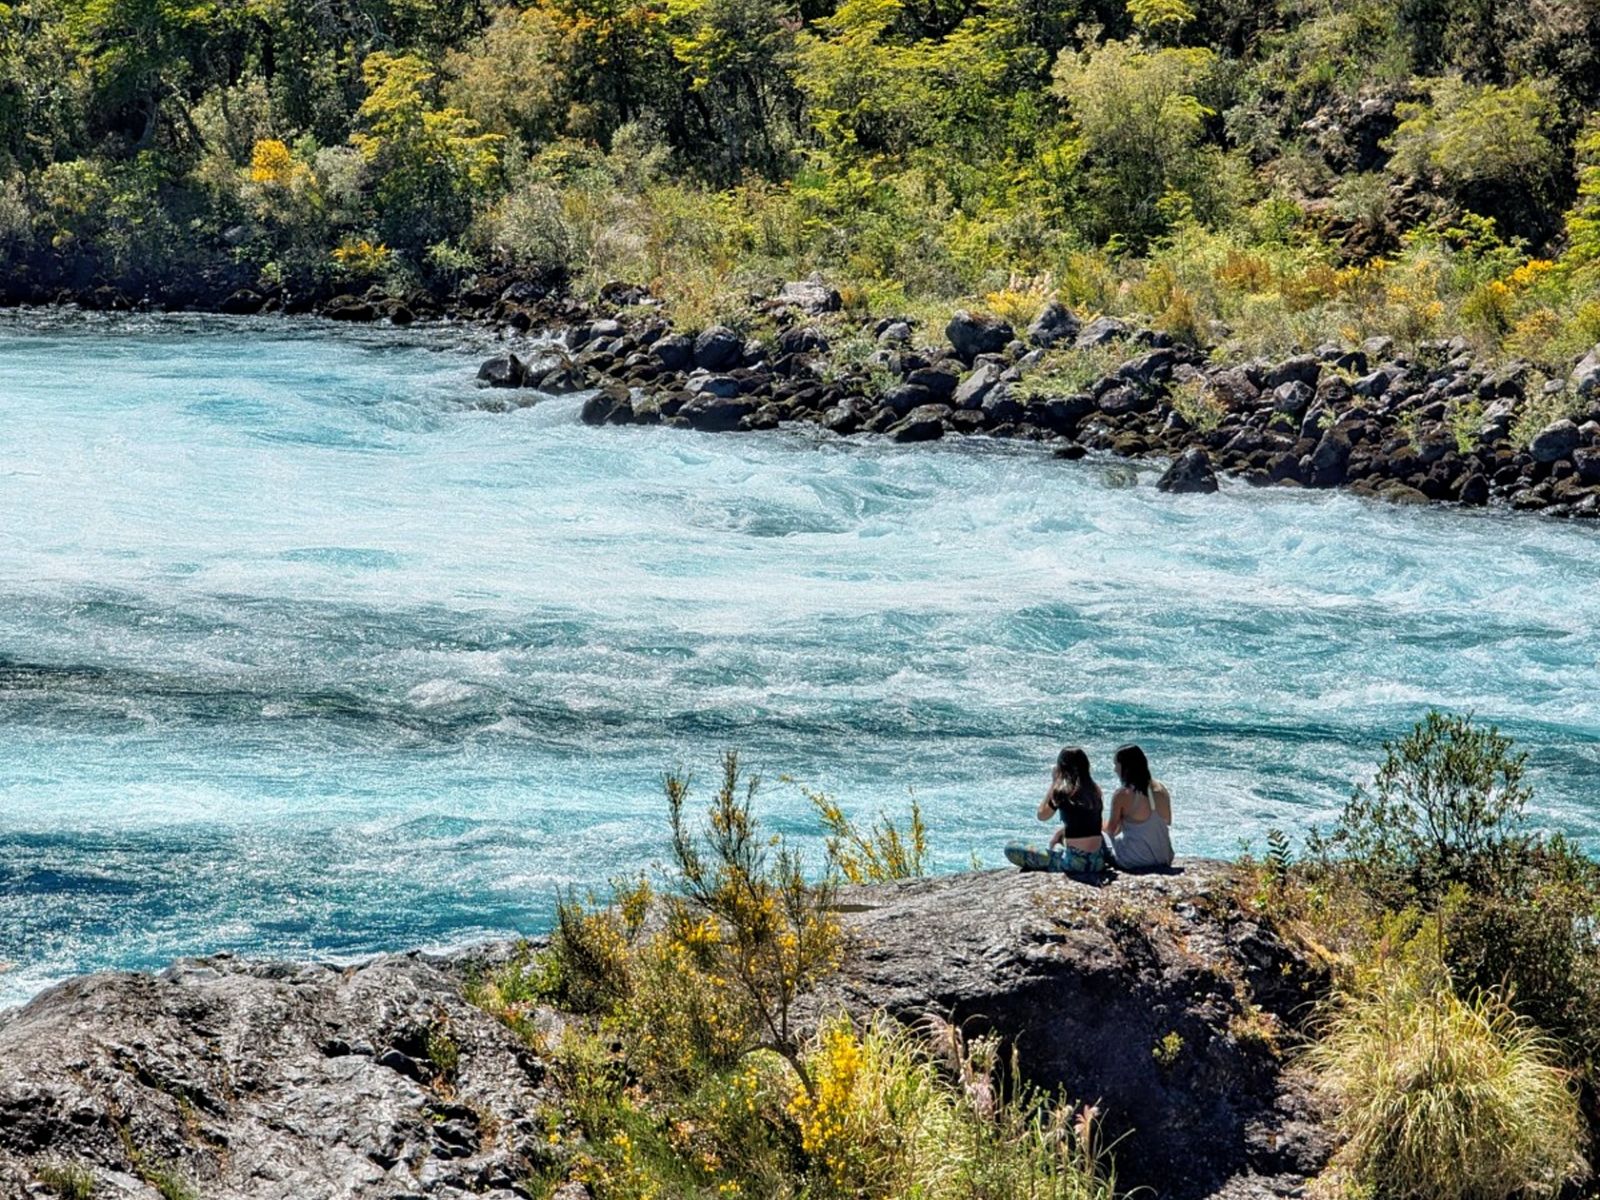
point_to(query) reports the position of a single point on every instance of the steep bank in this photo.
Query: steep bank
(1159, 998)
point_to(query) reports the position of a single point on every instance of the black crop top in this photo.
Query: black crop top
(1082, 820)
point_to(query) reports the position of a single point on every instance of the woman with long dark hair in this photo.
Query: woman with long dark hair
(1076, 847)
(1141, 812)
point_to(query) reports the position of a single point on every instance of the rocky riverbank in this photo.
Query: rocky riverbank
(1433, 425)
(1158, 998)
(1410, 428)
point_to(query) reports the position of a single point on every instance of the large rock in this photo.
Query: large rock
(1328, 464)
(349, 308)
(502, 371)
(1192, 472)
(277, 1081)
(810, 296)
(1586, 375)
(924, 424)
(977, 385)
(1055, 324)
(1101, 331)
(1086, 982)
(269, 1080)
(1554, 442)
(973, 334)
(718, 348)
(715, 413)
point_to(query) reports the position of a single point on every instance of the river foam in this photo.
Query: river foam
(302, 653)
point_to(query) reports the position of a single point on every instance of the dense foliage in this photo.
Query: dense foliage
(1461, 1045)
(1275, 173)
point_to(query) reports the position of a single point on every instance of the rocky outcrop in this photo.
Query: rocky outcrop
(249, 1080)
(1158, 999)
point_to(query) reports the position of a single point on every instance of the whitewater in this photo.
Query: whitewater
(303, 652)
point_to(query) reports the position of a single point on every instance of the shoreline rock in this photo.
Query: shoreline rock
(1160, 999)
(1433, 426)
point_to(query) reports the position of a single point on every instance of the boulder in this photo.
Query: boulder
(1125, 400)
(1554, 442)
(1302, 369)
(923, 424)
(714, 413)
(938, 381)
(1328, 464)
(1100, 331)
(349, 308)
(810, 296)
(1586, 375)
(258, 1079)
(556, 374)
(903, 397)
(674, 352)
(609, 406)
(973, 334)
(1084, 983)
(802, 339)
(242, 303)
(977, 385)
(502, 371)
(1056, 323)
(703, 383)
(1192, 472)
(718, 348)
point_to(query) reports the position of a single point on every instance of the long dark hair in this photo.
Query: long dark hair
(1072, 783)
(1133, 768)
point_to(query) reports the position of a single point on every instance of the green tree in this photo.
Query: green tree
(1488, 148)
(1140, 127)
(430, 164)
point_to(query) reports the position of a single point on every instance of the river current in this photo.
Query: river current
(303, 653)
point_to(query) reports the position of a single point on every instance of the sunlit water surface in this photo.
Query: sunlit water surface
(301, 653)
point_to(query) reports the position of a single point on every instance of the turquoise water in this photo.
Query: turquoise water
(300, 653)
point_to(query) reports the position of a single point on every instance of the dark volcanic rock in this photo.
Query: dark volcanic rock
(349, 308)
(1055, 323)
(1100, 331)
(973, 334)
(503, 371)
(270, 1080)
(924, 424)
(718, 414)
(718, 348)
(1085, 982)
(1192, 472)
(277, 1081)
(1554, 442)
(242, 303)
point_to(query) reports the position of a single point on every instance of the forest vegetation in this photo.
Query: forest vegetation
(1255, 176)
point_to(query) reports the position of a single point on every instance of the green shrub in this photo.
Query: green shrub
(1440, 1097)
(879, 853)
(748, 916)
(1445, 807)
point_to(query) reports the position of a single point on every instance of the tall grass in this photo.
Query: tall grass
(1439, 1096)
(893, 1116)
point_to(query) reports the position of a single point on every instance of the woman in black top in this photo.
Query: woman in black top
(1074, 794)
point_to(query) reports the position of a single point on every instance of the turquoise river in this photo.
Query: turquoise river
(304, 653)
